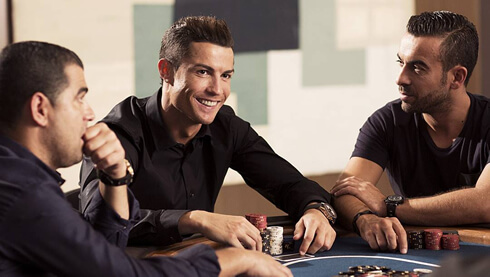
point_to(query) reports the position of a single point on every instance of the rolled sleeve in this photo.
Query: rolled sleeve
(108, 222)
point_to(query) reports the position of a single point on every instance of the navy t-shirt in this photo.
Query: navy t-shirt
(400, 142)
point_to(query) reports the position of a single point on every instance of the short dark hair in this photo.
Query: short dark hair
(29, 67)
(177, 39)
(460, 44)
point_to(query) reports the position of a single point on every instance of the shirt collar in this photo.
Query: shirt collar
(23, 153)
(159, 131)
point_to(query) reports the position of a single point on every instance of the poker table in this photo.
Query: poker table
(350, 250)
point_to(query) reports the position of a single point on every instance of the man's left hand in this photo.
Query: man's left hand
(364, 191)
(317, 233)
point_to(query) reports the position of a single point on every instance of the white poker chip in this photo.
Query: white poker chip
(422, 270)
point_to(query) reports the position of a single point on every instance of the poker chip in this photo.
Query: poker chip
(379, 271)
(433, 239)
(416, 240)
(422, 271)
(450, 242)
(257, 220)
(276, 239)
(266, 245)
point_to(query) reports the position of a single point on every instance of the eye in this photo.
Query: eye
(226, 75)
(202, 72)
(400, 62)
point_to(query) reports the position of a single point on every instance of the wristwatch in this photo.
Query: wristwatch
(325, 209)
(126, 180)
(391, 202)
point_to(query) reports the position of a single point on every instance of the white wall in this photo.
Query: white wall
(313, 128)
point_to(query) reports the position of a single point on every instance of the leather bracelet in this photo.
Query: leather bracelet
(356, 217)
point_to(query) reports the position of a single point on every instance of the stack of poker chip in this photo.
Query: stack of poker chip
(416, 239)
(433, 239)
(450, 241)
(260, 222)
(257, 220)
(276, 238)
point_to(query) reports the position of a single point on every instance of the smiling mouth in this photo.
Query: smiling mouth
(207, 103)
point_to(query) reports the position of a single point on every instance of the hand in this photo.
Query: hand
(364, 191)
(314, 226)
(241, 262)
(105, 150)
(383, 234)
(232, 230)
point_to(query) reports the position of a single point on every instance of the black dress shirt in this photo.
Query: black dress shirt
(41, 235)
(171, 178)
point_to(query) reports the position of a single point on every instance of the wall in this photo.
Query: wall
(317, 96)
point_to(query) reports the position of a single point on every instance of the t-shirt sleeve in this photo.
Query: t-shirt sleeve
(373, 141)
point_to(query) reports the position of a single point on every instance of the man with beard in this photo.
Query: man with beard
(433, 141)
(43, 119)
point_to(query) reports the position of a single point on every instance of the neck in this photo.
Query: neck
(445, 126)
(30, 138)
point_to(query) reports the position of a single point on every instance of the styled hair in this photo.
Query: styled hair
(29, 67)
(460, 38)
(177, 39)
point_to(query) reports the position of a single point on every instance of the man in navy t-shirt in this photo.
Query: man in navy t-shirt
(433, 141)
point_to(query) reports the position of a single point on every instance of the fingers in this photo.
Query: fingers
(105, 150)
(401, 237)
(383, 234)
(307, 239)
(233, 230)
(318, 234)
(299, 230)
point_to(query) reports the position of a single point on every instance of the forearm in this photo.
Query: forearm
(157, 227)
(232, 261)
(116, 198)
(347, 206)
(465, 206)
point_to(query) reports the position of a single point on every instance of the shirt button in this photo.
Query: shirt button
(192, 195)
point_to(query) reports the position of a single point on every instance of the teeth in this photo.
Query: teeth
(207, 102)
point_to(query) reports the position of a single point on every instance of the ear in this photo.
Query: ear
(39, 107)
(166, 70)
(458, 76)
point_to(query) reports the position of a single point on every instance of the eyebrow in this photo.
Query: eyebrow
(82, 90)
(414, 62)
(212, 69)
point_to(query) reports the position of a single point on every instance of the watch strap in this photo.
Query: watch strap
(356, 217)
(126, 180)
(326, 209)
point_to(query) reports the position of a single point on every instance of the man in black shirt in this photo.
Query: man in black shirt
(182, 141)
(434, 141)
(43, 124)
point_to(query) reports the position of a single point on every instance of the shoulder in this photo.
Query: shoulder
(128, 117)
(20, 178)
(480, 113)
(391, 114)
(226, 116)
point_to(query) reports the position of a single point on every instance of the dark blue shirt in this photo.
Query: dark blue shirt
(400, 142)
(41, 235)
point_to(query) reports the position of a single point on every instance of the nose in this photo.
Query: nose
(403, 78)
(89, 114)
(215, 87)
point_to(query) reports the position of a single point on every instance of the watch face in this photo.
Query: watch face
(395, 198)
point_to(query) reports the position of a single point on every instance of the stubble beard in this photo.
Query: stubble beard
(436, 101)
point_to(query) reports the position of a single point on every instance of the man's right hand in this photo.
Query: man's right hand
(383, 234)
(232, 230)
(242, 262)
